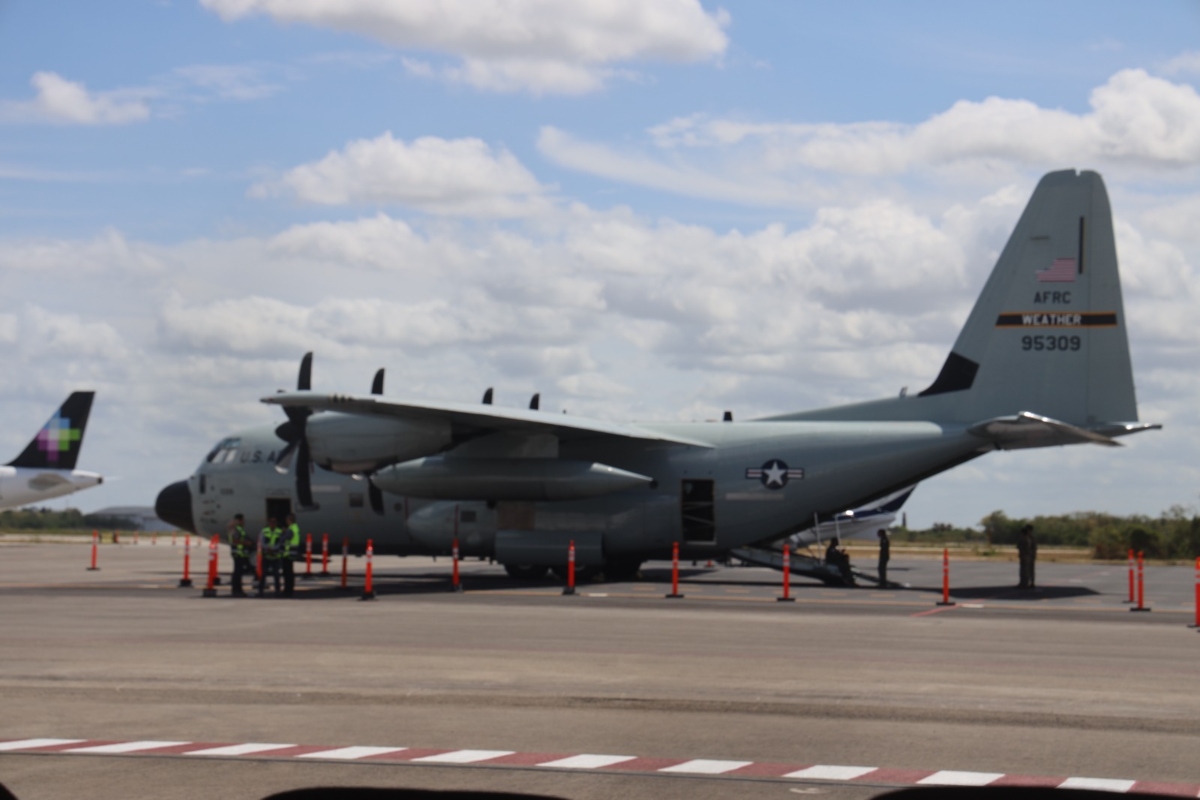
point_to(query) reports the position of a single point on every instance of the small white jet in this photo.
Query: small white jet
(46, 467)
(864, 522)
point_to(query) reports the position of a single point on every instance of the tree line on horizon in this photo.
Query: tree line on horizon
(1174, 534)
(49, 519)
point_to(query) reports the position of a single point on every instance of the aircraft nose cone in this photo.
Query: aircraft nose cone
(174, 506)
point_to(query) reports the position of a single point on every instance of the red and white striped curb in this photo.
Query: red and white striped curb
(587, 761)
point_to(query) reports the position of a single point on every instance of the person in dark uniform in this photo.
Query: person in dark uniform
(885, 555)
(835, 556)
(241, 546)
(1027, 554)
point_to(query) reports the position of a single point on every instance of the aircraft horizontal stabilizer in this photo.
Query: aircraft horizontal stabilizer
(1033, 430)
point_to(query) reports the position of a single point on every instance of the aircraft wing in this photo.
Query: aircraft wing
(477, 417)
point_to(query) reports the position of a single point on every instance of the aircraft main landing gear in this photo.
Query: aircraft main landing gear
(526, 572)
(622, 571)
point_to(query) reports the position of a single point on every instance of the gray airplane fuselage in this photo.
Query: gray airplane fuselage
(758, 481)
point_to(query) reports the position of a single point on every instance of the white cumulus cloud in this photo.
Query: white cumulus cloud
(71, 335)
(58, 100)
(542, 46)
(1138, 123)
(1135, 117)
(439, 176)
(108, 252)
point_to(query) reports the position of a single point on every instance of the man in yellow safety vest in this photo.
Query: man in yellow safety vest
(270, 543)
(289, 549)
(241, 546)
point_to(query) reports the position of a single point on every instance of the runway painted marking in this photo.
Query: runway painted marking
(247, 749)
(949, 777)
(827, 772)
(33, 744)
(705, 766)
(465, 756)
(510, 759)
(586, 761)
(124, 747)
(1099, 784)
(352, 753)
(931, 611)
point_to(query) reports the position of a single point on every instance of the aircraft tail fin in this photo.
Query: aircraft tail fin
(57, 444)
(896, 503)
(1047, 334)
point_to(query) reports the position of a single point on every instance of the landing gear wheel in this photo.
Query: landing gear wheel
(526, 572)
(622, 571)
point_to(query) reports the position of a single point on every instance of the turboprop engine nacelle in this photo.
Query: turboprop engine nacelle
(528, 479)
(350, 443)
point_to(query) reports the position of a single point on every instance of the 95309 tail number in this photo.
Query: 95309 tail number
(1062, 343)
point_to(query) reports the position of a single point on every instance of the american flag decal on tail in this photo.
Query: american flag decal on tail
(1062, 270)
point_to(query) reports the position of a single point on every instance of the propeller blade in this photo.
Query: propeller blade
(377, 384)
(304, 476)
(284, 461)
(375, 494)
(298, 419)
(487, 397)
(535, 402)
(304, 380)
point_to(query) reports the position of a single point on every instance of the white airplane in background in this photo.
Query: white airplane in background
(860, 523)
(46, 467)
(864, 522)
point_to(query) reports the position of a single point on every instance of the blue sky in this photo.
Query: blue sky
(584, 199)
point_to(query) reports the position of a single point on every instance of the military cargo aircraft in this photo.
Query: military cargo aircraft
(46, 467)
(1042, 361)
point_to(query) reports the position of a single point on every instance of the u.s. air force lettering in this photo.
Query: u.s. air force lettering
(775, 474)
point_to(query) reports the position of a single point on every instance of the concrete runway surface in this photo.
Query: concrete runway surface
(1060, 682)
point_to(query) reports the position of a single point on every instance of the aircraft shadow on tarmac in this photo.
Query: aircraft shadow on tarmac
(1013, 593)
(434, 583)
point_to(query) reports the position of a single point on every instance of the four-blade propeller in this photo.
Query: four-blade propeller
(296, 454)
(295, 433)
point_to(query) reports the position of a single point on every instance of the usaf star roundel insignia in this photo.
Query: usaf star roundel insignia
(775, 474)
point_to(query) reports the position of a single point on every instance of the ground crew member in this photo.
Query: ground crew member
(885, 555)
(836, 557)
(289, 548)
(1027, 554)
(270, 538)
(241, 546)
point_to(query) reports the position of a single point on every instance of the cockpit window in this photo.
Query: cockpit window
(225, 451)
